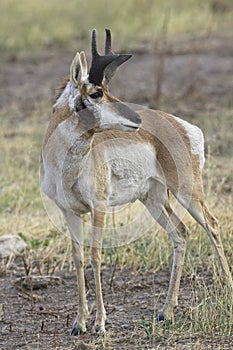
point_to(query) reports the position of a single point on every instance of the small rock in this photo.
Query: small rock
(124, 326)
(11, 244)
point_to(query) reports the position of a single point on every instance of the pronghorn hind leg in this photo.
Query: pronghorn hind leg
(178, 233)
(158, 205)
(203, 216)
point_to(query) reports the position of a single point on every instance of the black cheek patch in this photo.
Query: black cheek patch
(79, 106)
(83, 105)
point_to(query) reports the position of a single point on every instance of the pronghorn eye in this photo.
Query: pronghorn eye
(97, 94)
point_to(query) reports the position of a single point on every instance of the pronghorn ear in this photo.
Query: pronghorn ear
(78, 68)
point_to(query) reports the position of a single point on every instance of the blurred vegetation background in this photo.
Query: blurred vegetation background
(37, 41)
(30, 25)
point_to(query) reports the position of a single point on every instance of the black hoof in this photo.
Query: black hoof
(160, 317)
(76, 331)
(98, 330)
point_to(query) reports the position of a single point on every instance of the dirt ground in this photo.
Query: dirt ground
(196, 76)
(42, 318)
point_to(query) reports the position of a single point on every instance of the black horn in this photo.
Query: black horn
(120, 59)
(106, 65)
(99, 63)
(108, 42)
(93, 44)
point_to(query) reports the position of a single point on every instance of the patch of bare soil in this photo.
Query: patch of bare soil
(42, 318)
(196, 75)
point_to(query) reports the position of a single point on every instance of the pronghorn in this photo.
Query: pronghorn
(81, 177)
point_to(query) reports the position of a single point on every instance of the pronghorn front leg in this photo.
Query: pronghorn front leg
(98, 216)
(74, 223)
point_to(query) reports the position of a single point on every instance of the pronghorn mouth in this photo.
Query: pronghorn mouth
(121, 126)
(133, 127)
(130, 127)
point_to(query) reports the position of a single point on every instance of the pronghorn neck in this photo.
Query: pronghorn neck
(82, 144)
(65, 115)
(76, 134)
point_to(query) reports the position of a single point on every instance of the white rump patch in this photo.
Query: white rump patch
(196, 138)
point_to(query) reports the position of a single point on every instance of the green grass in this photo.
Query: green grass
(30, 25)
(207, 314)
(217, 127)
(19, 156)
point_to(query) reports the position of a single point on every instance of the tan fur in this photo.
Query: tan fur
(146, 133)
(86, 174)
(157, 124)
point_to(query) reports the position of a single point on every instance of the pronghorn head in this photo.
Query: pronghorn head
(89, 94)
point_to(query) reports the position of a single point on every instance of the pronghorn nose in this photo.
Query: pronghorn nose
(129, 113)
